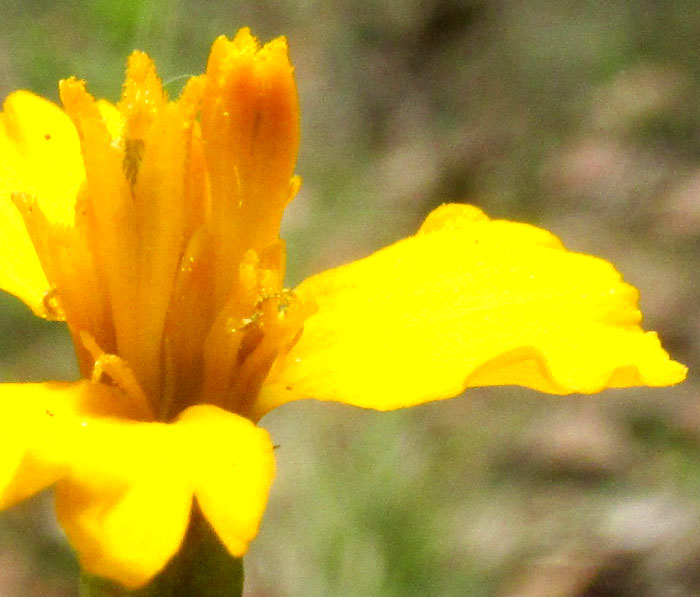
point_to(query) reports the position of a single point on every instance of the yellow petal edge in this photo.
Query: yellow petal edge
(467, 302)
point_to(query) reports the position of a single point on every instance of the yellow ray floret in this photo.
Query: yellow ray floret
(467, 302)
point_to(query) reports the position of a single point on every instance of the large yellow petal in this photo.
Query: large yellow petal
(127, 499)
(468, 301)
(39, 155)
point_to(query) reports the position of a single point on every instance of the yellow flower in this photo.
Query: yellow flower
(151, 227)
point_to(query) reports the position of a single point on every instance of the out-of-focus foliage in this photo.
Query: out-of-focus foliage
(580, 116)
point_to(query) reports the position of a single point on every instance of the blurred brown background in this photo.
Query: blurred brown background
(583, 117)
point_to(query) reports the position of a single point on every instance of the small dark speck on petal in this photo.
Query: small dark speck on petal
(47, 136)
(48, 412)
(288, 388)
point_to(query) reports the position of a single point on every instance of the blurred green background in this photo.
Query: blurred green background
(583, 117)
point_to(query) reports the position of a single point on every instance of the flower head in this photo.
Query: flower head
(152, 228)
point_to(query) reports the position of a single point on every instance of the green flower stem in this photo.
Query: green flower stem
(203, 568)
